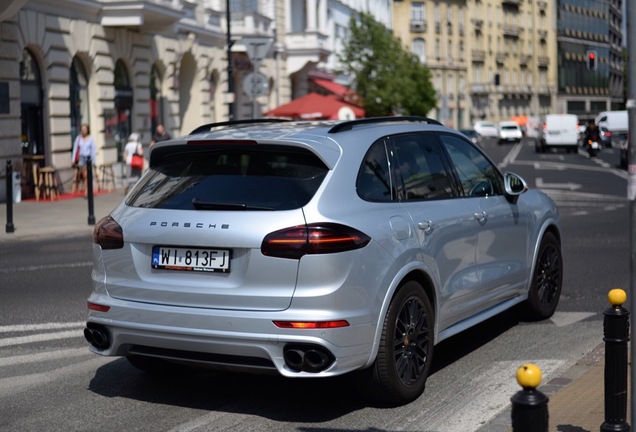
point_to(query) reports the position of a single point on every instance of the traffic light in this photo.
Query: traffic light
(591, 60)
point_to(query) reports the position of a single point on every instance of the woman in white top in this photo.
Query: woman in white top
(83, 149)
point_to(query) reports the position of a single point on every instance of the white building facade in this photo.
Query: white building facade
(124, 67)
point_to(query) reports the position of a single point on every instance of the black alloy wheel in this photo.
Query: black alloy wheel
(404, 358)
(545, 289)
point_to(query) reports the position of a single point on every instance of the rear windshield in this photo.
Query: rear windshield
(248, 177)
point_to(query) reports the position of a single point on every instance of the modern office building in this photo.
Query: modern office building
(590, 57)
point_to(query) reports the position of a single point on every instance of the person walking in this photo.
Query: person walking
(160, 135)
(133, 156)
(83, 148)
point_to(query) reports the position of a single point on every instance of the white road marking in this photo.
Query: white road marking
(45, 356)
(487, 395)
(571, 186)
(562, 319)
(21, 340)
(42, 326)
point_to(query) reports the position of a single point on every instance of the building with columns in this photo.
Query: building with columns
(125, 67)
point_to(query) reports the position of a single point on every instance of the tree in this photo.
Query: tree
(388, 79)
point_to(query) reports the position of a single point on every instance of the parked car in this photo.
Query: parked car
(611, 123)
(315, 249)
(472, 135)
(509, 131)
(560, 131)
(606, 137)
(486, 129)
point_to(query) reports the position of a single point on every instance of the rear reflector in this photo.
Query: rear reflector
(311, 324)
(98, 307)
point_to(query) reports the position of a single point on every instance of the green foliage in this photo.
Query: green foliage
(388, 79)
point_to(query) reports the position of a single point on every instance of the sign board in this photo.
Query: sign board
(255, 84)
(257, 47)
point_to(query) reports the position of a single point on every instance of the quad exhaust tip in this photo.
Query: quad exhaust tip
(97, 335)
(307, 358)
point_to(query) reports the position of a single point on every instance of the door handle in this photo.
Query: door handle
(481, 217)
(426, 226)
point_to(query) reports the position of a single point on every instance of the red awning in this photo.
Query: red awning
(335, 88)
(314, 106)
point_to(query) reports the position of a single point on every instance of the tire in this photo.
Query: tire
(400, 370)
(547, 279)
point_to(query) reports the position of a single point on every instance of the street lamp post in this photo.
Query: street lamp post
(230, 69)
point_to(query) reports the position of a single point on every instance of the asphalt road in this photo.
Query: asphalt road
(49, 381)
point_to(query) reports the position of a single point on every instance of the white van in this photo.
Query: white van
(612, 120)
(612, 123)
(559, 131)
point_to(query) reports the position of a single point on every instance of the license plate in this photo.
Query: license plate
(191, 259)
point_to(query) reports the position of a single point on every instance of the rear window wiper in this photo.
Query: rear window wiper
(206, 205)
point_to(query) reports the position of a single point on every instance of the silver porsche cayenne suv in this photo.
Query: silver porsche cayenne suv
(315, 249)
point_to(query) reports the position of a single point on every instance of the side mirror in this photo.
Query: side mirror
(514, 186)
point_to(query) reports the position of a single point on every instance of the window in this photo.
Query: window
(374, 182)
(78, 97)
(478, 176)
(418, 12)
(420, 170)
(419, 49)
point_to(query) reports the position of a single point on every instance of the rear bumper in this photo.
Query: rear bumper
(230, 339)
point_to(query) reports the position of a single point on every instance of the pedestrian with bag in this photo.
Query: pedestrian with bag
(133, 155)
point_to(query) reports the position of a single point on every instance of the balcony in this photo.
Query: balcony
(418, 26)
(500, 58)
(478, 55)
(511, 3)
(543, 34)
(304, 47)
(511, 30)
(251, 23)
(543, 61)
(524, 59)
(150, 15)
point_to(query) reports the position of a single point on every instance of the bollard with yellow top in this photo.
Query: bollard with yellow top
(529, 405)
(616, 337)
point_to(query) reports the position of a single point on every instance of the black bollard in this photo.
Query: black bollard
(529, 405)
(89, 191)
(9, 228)
(616, 331)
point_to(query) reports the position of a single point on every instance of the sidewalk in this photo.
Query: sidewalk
(576, 397)
(59, 218)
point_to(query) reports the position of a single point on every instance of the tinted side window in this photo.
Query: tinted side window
(253, 177)
(421, 173)
(374, 182)
(477, 175)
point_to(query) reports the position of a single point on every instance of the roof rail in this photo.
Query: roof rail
(208, 127)
(348, 125)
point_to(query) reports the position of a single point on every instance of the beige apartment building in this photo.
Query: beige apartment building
(489, 59)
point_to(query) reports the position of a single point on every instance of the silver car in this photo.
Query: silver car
(316, 249)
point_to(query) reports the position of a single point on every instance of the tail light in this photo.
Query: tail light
(108, 234)
(319, 238)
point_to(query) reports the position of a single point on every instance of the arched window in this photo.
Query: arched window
(78, 97)
(123, 105)
(31, 103)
